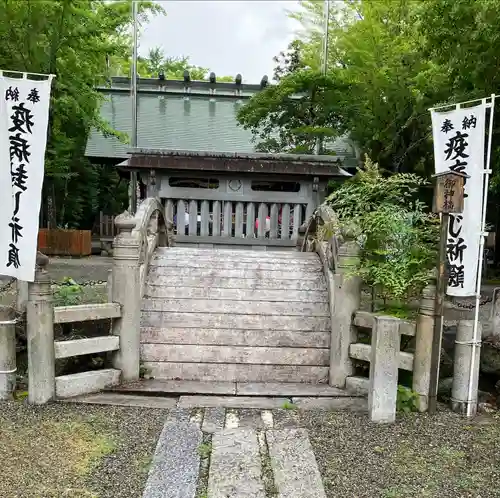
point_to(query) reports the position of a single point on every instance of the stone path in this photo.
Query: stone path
(229, 453)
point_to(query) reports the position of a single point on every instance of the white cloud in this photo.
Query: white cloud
(229, 37)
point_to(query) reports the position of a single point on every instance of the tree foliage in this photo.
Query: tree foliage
(74, 40)
(388, 62)
(83, 43)
(156, 62)
(397, 234)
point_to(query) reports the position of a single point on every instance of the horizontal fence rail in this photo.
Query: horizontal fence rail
(86, 312)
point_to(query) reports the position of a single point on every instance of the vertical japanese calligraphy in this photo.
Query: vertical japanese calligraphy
(24, 106)
(459, 146)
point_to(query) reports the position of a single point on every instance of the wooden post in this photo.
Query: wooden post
(439, 309)
(40, 332)
(423, 346)
(7, 353)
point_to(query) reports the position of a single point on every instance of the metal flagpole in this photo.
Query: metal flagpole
(324, 59)
(133, 83)
(477, 340)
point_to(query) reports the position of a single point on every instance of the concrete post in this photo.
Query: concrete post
(384, 362)
(7, 353)
(40, 333)
(423, 346)
(461, 368)
(347, 297)
(126, 291)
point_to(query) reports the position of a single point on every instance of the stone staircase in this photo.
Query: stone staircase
(235, 316)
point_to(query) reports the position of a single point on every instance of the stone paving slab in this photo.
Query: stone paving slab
(213, 419)
(231, 402)
(294, 466)
(176, 463)
(235, 470)
(356, 404)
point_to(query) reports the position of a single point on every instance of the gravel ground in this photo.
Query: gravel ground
(418, 456)
(76, 451)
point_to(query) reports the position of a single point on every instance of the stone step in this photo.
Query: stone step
(235, 465)
(227, 321)
(236, 264)
(292, 273)
(236, 307)
(181, 387)
(223, 282)
(234, 253)
(234, 337)
(234, 354)
(215, 372)
(176, 291)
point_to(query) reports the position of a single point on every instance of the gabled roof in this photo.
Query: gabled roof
(201, 118)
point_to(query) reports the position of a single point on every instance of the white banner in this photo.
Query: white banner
(459, 146)
(24, 114)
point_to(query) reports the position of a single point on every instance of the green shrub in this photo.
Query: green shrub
(397, 235)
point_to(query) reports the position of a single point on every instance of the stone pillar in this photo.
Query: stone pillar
(126, 291)
(461, 368)
(423, 346)
(495, 313)
(384, 362)
(7, 353)
(347, 297)
(40, 333)
(21, 296)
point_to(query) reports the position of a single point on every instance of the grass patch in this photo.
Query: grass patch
(288, 405)
(76, 451)
(204, 450)
(46, 454)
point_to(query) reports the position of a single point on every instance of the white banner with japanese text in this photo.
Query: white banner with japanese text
(24, 115)
(459, 137)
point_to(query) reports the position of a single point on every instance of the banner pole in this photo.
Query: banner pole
(476, 341)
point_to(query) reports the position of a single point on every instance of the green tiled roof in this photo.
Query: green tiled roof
(170, 118)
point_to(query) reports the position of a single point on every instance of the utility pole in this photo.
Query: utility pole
(324, 55)
(133, 87)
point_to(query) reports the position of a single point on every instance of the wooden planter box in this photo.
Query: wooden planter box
(54, 242)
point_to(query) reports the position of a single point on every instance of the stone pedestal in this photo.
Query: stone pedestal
(7, 353)
(40, 333)
(126, 291)
(462, 368)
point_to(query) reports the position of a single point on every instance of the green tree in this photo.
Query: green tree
(76, 40)
(172, 67)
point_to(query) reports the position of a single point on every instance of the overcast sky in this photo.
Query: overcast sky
(227, 36)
